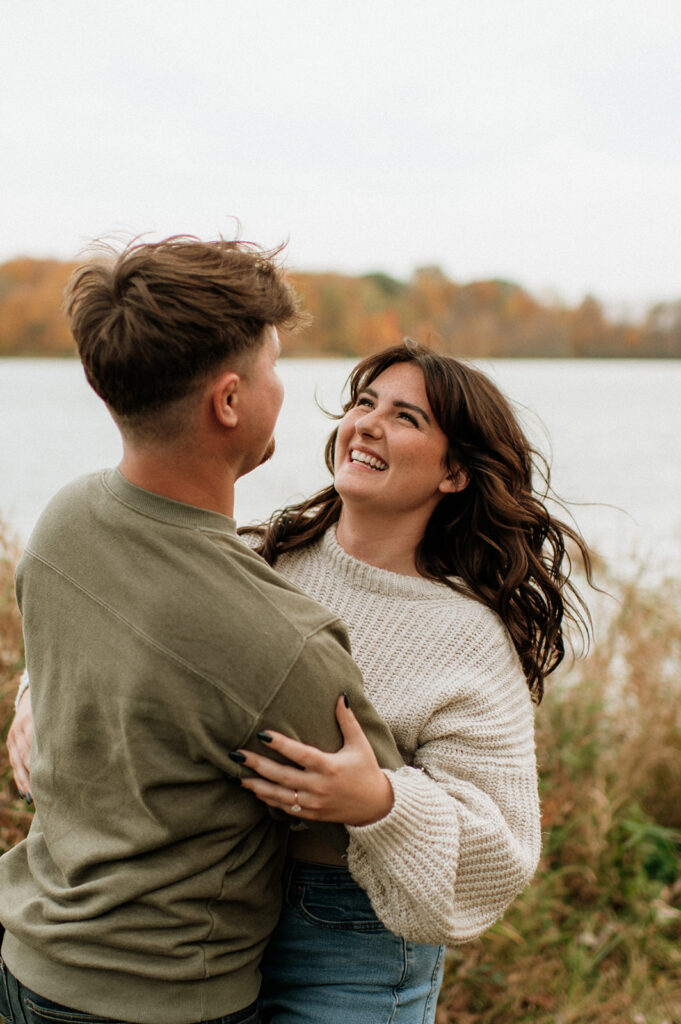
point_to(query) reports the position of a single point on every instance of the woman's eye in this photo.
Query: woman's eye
(364, 401)
(408, 416)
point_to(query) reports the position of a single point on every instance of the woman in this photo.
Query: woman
(449, 571)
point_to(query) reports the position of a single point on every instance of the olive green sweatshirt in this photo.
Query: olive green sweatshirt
(156, 643)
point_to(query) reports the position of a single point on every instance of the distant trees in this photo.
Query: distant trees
(662, 329)
(354, 316)
(483, 319)
(31, 318)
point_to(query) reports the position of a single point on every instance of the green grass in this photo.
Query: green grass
(596, 938)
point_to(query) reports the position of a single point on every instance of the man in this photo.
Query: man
(157, 643)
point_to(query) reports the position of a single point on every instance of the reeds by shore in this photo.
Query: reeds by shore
(15, 819)
(596, 938)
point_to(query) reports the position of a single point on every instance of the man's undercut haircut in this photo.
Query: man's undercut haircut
(154, 320)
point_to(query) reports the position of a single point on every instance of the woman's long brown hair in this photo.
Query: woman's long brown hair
(496, 539)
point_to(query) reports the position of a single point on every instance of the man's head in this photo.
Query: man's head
(153, 323)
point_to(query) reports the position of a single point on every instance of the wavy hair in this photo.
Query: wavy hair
(495, 540)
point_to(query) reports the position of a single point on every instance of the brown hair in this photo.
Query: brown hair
(151, 321)
(496, 539)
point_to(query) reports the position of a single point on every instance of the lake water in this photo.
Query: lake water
(611, 427)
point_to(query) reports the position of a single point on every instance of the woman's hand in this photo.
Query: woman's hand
(347, 786)
(19, 745)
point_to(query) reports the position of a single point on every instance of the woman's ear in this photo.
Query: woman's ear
(225, 399)
(455, 481)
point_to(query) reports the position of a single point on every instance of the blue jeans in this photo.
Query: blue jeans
(18, 1005)
(331, 961)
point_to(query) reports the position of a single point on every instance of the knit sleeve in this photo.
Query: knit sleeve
(463, 837)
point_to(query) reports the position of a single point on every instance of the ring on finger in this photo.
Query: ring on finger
(295, 806)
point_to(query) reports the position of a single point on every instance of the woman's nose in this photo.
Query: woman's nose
(369, 424)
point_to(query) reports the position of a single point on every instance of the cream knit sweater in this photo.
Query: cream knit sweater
(463, 837)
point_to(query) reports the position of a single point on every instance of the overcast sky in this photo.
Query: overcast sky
(530, 140)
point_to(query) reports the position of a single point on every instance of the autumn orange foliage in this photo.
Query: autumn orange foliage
(31, 318)
(354, 316)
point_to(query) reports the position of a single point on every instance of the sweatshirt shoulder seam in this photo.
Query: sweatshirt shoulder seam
(159, 647)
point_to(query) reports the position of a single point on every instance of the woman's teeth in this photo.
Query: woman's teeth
(367, 460)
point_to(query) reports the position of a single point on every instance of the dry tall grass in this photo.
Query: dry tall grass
(596, 938)
(14, 817)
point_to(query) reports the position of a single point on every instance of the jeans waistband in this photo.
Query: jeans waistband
(305, 872)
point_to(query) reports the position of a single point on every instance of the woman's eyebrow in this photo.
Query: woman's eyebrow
(398, 404)
(415, 408)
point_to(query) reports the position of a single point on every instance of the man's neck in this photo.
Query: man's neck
(181, 475)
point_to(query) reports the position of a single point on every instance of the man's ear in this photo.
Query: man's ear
(225, 398)
(455, 481)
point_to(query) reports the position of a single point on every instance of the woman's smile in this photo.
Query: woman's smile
(367, 459)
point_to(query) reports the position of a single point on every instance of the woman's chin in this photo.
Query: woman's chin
(365, 503)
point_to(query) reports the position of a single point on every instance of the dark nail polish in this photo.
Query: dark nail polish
(236, 756)
(29, 798)
(346, 699)
(265, 737)
(21, 793)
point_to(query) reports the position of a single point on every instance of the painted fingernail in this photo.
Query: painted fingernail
(21, 793)
(265, 737)
(236, 756)
(29, 798)
(346, 699)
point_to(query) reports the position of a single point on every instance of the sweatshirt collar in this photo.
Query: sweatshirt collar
(166, 509)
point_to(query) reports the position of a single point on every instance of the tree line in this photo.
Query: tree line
(356, 315)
